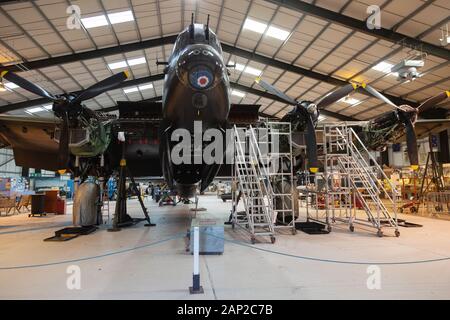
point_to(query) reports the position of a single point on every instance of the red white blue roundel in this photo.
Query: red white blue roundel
(201, 78)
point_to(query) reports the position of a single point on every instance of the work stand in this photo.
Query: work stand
(121, 217)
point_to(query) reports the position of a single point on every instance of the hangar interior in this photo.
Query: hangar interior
(354, 92)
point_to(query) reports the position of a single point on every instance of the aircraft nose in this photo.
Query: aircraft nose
(200, 68)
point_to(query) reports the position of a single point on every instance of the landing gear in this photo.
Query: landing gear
(352, 228)
(121, 217)
(273, 239)
(380, 233)
(397, 233)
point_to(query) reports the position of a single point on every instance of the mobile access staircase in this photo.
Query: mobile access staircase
(263, 179)
(354, 179)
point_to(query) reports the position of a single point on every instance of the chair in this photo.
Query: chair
(24, 202)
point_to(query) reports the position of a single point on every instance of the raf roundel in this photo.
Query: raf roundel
(203, 81)
(201, 77)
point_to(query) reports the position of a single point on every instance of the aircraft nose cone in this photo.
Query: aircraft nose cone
(199, 68)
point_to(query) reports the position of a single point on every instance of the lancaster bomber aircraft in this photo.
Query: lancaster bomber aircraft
(196, 88)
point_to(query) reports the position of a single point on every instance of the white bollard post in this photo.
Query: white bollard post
(196, 287)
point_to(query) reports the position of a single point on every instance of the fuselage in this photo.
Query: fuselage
(196, 91)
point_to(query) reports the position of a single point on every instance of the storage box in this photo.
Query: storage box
(211, 235)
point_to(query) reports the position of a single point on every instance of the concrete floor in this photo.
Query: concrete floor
(164, 270)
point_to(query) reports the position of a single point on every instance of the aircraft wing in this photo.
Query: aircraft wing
(31, 140)
(241, 114)
(425, 127)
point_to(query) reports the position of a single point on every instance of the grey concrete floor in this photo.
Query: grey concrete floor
(33, 269)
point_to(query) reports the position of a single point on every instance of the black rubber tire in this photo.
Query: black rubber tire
(273, 239)
(352, 228)
(380, 233)
(253, 240)
(397, 233)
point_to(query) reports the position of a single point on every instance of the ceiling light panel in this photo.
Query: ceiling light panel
(94, 22)
(277, 33)
(120, 17)
(131, 90)
(255, 26)
(118, 65)
(238, 93)
(133, 62)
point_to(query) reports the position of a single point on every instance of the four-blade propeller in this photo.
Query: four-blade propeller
(66, 106)
(408, 115)
(310, 112)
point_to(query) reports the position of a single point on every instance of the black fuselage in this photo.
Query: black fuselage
(196, 88)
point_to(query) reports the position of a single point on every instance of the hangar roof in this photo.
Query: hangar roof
(306, 48)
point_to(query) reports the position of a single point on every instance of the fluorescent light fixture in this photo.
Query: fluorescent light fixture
(120, 17)
(255, 26)
(252, 71)
(239, 67)
(124, 64)
(47, 107)
(383, 67)
(133, 62)
(146, 86)
(94, 22)
(248, 69)
(34, 110)
(118, 65)
(11, 85)
(238, 93)
(130, 90)
(349, 100)
(277, 33)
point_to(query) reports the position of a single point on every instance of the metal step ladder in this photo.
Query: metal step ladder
(264, 185)
(360, 178)
(253, 190)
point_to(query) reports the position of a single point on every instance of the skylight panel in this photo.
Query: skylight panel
(120, 17)
(277, 33)
(118, 65)
(131, 90)
(255, 26)
(238, 93)
(94, 22)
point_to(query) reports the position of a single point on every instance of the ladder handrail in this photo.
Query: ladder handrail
(342, 137)
(353, 133)
(266, 185)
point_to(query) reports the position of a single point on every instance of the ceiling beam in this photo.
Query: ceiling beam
(361, 26)
(92, 54)
(37, 64)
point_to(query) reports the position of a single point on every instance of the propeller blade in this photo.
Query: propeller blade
(100, 87)
(27, 85)
(411, 143)
(434, 101)
(271, 89)
(380, 96)
(336, 95)
(311, 146)
(63, 153)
